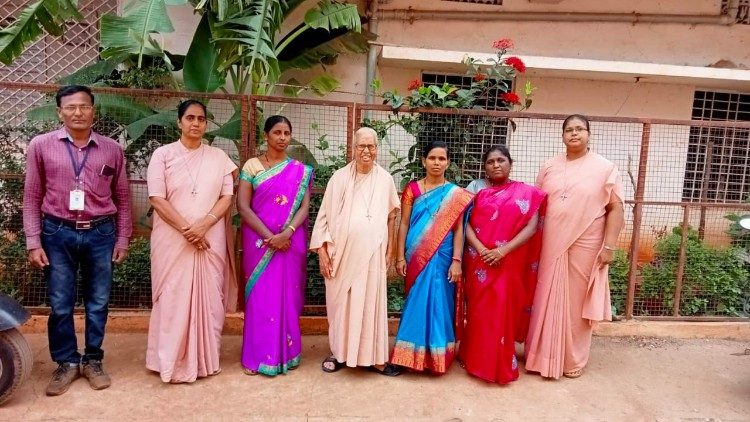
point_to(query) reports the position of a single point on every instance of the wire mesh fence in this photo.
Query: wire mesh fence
(689, 257)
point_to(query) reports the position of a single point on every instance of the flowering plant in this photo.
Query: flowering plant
(489, 80)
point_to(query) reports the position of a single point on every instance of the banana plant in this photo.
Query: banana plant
(251, 51)
(37, 18)
(130, 33)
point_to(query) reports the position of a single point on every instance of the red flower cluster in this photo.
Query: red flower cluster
(503, 44)
(511, 98)
(516, 63)
(414, 84)
(479, 77)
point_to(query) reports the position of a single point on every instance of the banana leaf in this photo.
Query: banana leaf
(32, 22)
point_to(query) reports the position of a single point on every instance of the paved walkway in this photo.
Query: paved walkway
(627, 379)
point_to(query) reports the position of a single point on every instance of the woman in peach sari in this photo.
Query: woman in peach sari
(190, 186)
(584, 217)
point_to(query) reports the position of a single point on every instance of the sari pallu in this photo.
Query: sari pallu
(499, 298)
(276, 280)
(426, 337)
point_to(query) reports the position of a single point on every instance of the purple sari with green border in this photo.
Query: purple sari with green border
(275, 289)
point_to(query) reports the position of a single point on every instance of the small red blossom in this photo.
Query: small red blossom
(479, 77)
(511, 98)
(503, 44)
(516, 63)
(414, 84)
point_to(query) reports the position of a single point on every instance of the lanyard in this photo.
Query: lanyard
(77, 168)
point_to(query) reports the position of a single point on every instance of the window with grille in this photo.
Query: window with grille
(718, 158)
(742, 13)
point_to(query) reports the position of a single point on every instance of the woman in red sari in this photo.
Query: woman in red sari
(500, 269)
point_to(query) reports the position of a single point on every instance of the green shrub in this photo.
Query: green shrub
(618, 282)
(396, 295)
(714, 279)
(134, 274)
(13, 268)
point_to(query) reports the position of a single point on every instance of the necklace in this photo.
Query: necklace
(194, 190)
(368, 204)
(440, 203)
(564, 195)
(268, 162)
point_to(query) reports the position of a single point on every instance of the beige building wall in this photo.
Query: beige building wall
(591, 94)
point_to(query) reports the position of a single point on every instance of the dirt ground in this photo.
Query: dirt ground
(628, 378)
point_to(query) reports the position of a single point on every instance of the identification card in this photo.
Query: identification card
(76, 200)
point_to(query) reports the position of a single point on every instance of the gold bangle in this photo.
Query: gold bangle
(609, 248)
(456, 259)
(291, 227)
(215, 217)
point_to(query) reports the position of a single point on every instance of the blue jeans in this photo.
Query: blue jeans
(69, 251)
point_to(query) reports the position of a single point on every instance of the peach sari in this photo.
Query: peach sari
(572, 293)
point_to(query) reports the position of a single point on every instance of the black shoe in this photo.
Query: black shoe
(389, 370)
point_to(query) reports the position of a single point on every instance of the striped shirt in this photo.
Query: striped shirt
(50, 177)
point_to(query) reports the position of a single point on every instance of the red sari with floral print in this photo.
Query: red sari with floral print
(499, 298)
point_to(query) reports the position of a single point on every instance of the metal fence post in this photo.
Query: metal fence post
(681, 260)
(637, 219)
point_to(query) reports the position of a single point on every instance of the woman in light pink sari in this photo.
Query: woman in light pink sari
(190, 186)
(584, 218)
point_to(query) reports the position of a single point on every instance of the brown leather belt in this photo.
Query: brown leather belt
(80, 224)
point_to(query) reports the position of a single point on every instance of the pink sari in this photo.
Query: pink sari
(191, 288)
(498, 298)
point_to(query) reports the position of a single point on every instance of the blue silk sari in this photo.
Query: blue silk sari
(426, 338)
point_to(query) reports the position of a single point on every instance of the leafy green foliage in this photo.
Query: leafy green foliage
(134, 273)
(489, 79)
(32, 22)
(618, 282)
(13, 269)
(201, 72)
(714, 279)
(156, 76)
(15, 276)
(130, 34)
(396, 296)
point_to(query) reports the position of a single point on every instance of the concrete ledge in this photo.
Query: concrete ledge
(137, 322)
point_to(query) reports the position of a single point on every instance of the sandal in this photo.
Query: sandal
(389, 370)
(332, 360)
(247, 371)
(573, 374)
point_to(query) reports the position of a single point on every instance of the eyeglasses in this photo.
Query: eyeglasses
(575, 129)
(85, 108)
(371, 147)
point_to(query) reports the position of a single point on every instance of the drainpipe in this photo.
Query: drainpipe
(372, 53)
(484, 15)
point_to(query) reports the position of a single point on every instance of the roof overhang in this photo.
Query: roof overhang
(563, 67)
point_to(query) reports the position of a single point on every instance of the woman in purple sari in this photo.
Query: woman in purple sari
(273, 199)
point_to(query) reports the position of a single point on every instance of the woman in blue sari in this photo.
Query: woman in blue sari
(430, 246)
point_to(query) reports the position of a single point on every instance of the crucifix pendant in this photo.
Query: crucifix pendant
(369, 217)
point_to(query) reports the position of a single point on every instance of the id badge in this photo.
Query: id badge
(76, 200)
